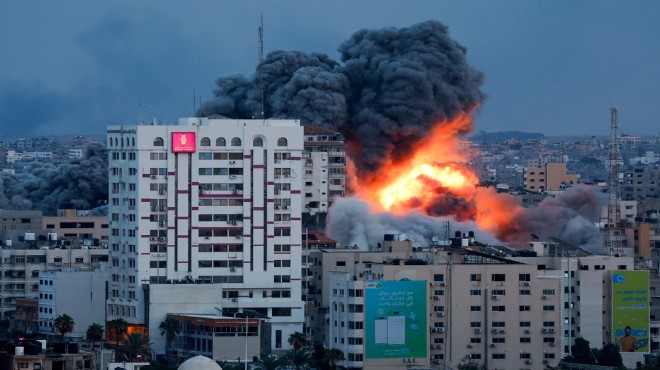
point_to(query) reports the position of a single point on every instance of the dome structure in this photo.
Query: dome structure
(199, 363)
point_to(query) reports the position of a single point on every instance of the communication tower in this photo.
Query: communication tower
(613, 230)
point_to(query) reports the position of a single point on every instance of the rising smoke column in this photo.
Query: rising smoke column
(79, 184)
(392, 86)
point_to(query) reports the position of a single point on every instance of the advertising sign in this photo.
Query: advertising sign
(630, 310)
(395, 316)
(183, 142)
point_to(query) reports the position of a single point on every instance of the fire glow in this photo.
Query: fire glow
(434, 179)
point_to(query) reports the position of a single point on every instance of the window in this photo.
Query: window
(499, 340)
(525, 324)
(475, 277)
(475, 308)
(498, 277)
(236, 142)
(499, 308)
(257, 141)
(525, 340)
(205, 142)
(524, 277)
(475, 324)
(525, 308)
(438, 277)
(159, 141)
(475, 292)
(548, 308)
(525, 292)
(282, 141)
(220, 141)
(498, 356)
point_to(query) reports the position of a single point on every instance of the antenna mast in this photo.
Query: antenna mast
(613, 229)
(261, 63)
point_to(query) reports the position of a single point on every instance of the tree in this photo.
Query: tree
(333, 356)
(468, 363)
(298, 359)
(170, 327)
(95, 333)
(119, 326)
(63, 324)
(134, 345)
(582, 354)
(609, 355)
(297, 340)
(270, 363)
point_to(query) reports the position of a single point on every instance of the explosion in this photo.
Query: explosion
(434, 180)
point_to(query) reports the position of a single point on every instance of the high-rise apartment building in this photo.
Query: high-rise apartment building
(210, 202)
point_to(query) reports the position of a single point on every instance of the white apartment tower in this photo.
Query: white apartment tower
(210, 202)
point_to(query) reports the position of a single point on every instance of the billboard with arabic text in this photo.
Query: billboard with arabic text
(630, 310)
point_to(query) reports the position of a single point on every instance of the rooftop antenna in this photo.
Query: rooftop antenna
(194, 101)
(261, 63)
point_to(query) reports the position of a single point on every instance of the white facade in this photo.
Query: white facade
(222, 206)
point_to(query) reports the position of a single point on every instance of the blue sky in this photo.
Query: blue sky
(74, 67)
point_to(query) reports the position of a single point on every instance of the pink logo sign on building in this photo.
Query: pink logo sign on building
(183, 142)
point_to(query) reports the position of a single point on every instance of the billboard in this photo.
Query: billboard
(395, 315)
(183, 142)
(630, 310)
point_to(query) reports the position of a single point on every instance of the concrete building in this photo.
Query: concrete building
(325, 173)
(641, 183)
(15, 225)
(493, 306)
(20, 268)
(212, 203)
(552, 177)
(77, 293)
(78, 228)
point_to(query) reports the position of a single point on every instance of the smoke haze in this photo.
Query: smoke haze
(80, 184)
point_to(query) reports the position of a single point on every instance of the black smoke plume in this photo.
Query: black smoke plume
(79, 184)
(391, 86)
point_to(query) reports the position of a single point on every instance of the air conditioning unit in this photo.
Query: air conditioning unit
(552, 330)
(207, 237)
(544, 297)
(492, 345)
(470, 345)
(161, 223)
(153, 177)
(502, 331)
(232, 176)
(277, 207)
(552, 344)
(287, 175)
(232, 269)
(526, 283)
(545, 330)
(527, 331)
(161, 192)
(437, 361)
(163, 208)
(232, 162)
(528, 362)
(439, 330)
(277, 176)
(285, 207)
(477, 330)
(153, 239)
(494, 331)
(239, 191)
(238, 236)
(162, 239)
(202, 191)
(494, 297)
(435, 297)
(440, 313)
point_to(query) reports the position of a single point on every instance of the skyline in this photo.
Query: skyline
(88, 65)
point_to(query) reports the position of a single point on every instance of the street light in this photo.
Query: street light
(258, 315)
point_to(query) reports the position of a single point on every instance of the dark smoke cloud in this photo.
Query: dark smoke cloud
(80, 184)
(570, 216)
(391, 87)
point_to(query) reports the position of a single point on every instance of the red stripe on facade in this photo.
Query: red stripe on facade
(295, 191)
(295, 158)
(194, 183)
(183, 191)
(258, 208)
(295, 218)
(257, 166)
(145, 200)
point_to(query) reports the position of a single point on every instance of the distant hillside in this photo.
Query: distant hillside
(500, 136)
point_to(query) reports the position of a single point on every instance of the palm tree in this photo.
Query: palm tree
(119, 325)
(63, 324)
(298, 359)
(297, 340)
(170, 327)
(270, 363)
(333, 355)
(95, 333)
(135, 344)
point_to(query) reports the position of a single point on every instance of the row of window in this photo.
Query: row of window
(501, 324)
(521, 308)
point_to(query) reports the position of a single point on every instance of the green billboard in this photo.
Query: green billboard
(395, 316)
(630, 310)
